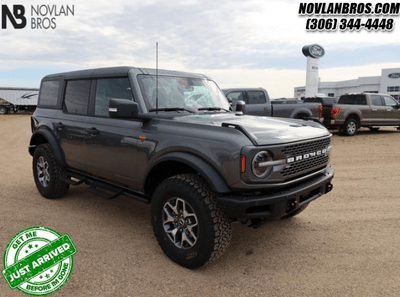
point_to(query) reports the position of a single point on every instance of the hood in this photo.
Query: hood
(262, 130)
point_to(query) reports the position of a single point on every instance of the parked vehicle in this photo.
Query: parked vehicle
(170, 140)
(14, 99)
(353, 111)
(258, 103)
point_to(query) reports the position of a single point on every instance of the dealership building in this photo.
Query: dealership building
(387, 83)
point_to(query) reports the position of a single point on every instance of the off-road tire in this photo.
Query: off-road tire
(47, 173)
(350, 127)
(296, 212)
(214, 229)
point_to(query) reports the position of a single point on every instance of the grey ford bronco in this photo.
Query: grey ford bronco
(169, 139)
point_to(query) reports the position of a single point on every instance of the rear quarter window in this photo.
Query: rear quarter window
(48, 95)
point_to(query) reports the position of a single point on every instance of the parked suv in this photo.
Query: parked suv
(170, 140)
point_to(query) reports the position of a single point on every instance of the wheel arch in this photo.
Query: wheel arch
(301, 111)
(354, 116)
(179, 163)
(44, 136)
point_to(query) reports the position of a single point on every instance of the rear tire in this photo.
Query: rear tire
(47, 173)
(350, 127)
(301, 116)
(189, 224)
(3, 110)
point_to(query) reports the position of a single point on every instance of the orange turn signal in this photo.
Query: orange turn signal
(242, 164)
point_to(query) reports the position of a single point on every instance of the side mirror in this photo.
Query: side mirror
(122, 108)
(240, 106)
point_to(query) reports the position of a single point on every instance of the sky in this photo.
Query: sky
(246, 43)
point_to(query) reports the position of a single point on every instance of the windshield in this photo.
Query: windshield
(182, 92)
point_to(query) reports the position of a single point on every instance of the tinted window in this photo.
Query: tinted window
(353, 99)
(109, 88)
(376, 100)
(390, 101)
(256, 97)
(49, 93)
(77, 96)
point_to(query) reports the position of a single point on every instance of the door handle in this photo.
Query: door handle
(92, 131)
(59, 126)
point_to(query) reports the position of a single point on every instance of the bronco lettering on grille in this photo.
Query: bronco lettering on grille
(307, 156)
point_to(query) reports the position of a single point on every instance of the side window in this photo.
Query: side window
(49, 93)
(77, 96)
(235, 96)
(109, 88)
(389, 101)
(256, 97)
(353, 99)
(376, 100)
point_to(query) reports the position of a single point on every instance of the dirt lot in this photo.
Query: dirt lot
(345, 244)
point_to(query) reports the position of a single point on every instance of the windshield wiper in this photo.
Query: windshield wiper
(172, 109)
(212, 108)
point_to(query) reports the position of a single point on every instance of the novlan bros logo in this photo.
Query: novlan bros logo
(17, 14)
(42, 16)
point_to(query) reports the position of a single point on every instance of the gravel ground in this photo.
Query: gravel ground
(345, 244)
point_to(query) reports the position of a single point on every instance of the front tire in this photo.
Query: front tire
(47, 173)
(189, 224)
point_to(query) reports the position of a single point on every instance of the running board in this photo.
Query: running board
(113, 192)
(102, 188)
(73, 179)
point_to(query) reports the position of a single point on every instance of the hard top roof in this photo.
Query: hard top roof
(118, 71)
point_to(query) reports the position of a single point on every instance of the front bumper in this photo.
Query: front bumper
(279, 203)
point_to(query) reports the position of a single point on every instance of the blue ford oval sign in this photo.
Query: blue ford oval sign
(394, 75)
(314, 51)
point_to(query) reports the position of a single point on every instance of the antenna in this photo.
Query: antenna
(157, 78)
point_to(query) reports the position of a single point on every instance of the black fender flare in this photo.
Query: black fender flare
(37, 139)
(209, 173)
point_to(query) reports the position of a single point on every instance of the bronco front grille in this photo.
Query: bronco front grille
(306, 156)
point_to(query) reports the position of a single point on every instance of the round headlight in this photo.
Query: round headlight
(258, 166)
